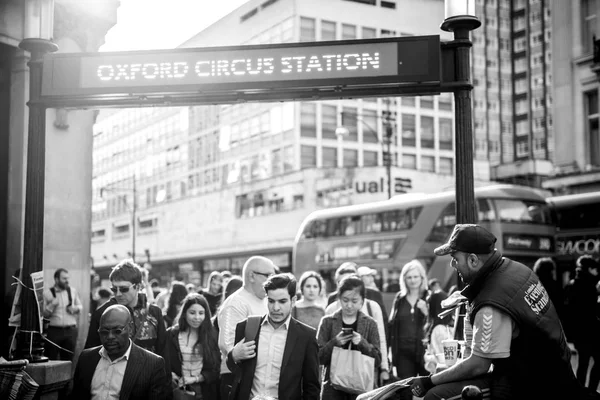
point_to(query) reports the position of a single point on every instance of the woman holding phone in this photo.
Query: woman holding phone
(347, 326)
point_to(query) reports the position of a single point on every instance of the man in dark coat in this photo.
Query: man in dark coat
(119, 368)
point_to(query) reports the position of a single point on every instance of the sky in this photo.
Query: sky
(163, 24)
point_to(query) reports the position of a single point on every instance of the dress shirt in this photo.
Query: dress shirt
(271, 344)
(236, 308)
(108, 376)
(60, 317)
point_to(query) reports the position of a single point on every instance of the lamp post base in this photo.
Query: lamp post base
(31, 347)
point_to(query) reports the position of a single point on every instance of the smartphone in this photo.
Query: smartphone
(347, 331)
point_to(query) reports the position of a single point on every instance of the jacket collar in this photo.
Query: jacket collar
(492, 264)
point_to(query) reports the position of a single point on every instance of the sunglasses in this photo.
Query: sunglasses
(115, 331)
(122, 289)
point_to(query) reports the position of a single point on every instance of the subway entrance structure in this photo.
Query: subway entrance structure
(415, 65)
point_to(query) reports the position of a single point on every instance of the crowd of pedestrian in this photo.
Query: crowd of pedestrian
(266, 335)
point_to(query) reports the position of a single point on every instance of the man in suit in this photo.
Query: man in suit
(119, 368)
(282, 359)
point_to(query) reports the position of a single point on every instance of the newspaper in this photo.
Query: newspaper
(387, 391)
(38, 290)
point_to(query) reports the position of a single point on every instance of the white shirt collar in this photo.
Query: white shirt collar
(286, 323)
(125, 356)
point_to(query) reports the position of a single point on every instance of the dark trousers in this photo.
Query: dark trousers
(226, 382)
(64, 337)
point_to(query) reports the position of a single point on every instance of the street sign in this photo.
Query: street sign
(406, 60)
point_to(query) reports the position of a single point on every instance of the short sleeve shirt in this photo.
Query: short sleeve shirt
(493, 331)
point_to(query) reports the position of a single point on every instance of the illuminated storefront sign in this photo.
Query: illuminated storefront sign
(578, 245)
(296, 65)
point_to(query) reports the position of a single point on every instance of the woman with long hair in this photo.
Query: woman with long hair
(407, 321)
(309, 309)
(194, 355)
(214, 292)
(178, 293)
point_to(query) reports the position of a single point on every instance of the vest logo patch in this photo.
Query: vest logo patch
(536, 297)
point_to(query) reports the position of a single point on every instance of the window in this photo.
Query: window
(308, 156)
(427, 102)
(446, 166)
(307, 29)
(99, 233)
(445, 102)
(408, 101)
(276, 162)
(427, 164)
(328, 30)
(369, 33)
(523, 211)
(369, 158)
(348, 31)
(445, 126)
(148, 223)
(444, 225)
(330, 157)
(588, 24)
(591, 105)
(369, 126)
(409, 161)
(329, 121)
(350, 122)
(408, 130)
(288, 159)
(427, 133)
(350, 158)
(121, 229)
(308, 120)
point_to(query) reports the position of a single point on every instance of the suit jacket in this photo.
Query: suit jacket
(144, 377)
(299, 377)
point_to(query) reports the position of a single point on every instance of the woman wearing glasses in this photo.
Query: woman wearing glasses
(193, 354)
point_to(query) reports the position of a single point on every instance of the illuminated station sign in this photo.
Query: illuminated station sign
(256, 67)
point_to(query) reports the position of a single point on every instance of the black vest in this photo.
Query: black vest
(539, 365)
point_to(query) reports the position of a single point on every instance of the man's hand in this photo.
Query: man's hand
(243, 350)
(356, 338)
(384, 376)
(421, 385)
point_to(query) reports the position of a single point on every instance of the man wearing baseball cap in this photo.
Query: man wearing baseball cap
(516, 329)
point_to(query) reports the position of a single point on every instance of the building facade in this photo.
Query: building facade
(215, 184)
(576, 112)
(512, 98)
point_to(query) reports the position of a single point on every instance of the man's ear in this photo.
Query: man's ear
(473, 260)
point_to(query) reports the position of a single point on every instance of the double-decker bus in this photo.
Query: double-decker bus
(577, 228)
(387, 234)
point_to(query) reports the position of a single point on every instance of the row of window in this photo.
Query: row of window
(258, 204)
(121, 230)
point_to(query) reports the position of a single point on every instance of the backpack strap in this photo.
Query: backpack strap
(252, 325)
(53, 291)
(369, 311)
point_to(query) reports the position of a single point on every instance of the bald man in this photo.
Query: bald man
(248, 300)
(119, 368)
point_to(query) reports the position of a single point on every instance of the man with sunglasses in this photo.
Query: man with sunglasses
(248, 300)
(119, 369)
(148, 325)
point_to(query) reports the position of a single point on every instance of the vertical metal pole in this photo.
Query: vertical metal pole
(30, 344)
(465, 194)
(133, 219)
(388, 148)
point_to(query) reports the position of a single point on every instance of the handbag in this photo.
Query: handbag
(184, 392)
(351, 371)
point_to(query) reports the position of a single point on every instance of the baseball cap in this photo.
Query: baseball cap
(364, 271)
(468, 238)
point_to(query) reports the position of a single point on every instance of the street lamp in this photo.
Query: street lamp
(460, 19)
(342, 131)
(133, 191)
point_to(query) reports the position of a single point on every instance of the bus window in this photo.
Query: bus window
(580, 216)
(444, 225)
(371, 223)
(309, 230)
(334, 227)
(352, 225)
(510, 210)
(485, 210)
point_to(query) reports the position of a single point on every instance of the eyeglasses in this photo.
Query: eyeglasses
(122, 289)
(266, 275)
(115, 331)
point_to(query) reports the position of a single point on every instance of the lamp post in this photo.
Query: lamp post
(133, 191)
(460, 19)
(342, 131)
